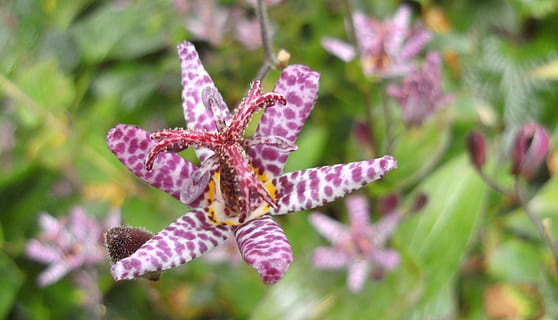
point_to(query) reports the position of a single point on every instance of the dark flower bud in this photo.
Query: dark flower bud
(122, 241)
(476, 146)
(389, 203)
(529, 149)
(420, 201)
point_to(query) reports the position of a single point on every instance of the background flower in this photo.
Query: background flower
(358, 247)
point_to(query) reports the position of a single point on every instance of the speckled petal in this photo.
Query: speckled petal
(338, 48)
(265, 247)
(399, 29)
(357, 275)
(131, 144)
(416, 41)
(364, 31)
(38, 251)
(53, 273)
(194, 80)
(183, 240)
(330, 258)
(359, 218)
(299, 85)
(385, 258)
(380, 232)
(307, 189)
(50, 226)
(334, 231)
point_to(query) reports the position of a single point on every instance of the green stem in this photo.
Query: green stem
(538, 225)
(494, 185)
(387, 118)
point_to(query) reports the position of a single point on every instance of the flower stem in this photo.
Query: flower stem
(387, 119)
(494, 185)
(370, 123)
(351, 25)
(538, 225)
(270, 59)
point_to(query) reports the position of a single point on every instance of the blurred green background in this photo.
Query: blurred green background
(71, 70)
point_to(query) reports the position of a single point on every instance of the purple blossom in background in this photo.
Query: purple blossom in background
(69, 243)
(529, 149)
(420, 94)
(226, 252)
(240, 183)
(358, 247)
(247, 33)
(211, 22)
(207, 21)
(386, 49)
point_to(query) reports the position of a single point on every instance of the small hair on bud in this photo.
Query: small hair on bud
(122, 241)
(476, 147)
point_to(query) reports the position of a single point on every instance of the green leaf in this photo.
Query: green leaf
(11, 282)
(111, 32)
(515, 261)
(417, 150)
(40, 90)
(544, 206)
(440, 236)
(310, 144)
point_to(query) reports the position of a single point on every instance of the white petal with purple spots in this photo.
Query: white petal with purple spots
(131, 144)
(183, 240)
(265, 247)
(299, 85)
(195, 80)
(307, 189)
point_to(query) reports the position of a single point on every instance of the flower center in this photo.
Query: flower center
(234, 191)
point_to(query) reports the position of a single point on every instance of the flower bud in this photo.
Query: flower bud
(476, 146)
(529, 149)
(389, 204)
(122, 241)
(420, 201)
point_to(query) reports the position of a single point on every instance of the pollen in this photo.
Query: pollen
(216, 208)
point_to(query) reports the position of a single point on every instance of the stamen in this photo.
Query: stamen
(213, 101)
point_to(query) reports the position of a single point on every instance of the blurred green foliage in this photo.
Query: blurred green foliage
(71, 70)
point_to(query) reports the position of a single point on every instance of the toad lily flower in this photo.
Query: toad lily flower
(69, 243)
(240, 183)
(385, 49)
(359, 247)
(420, 94)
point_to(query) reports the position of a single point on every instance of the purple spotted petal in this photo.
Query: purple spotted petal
(357, 274)
(357, 206)
(383, 229)
(53, 273)
(194, 80)
(265, 247)
(386, 258)
(338, 48)
(183, 240)
(131, 144)
(299, 85)
(307, 189)
(334, 231)
(364, 31)
(399, 29)
(330, 258)
(41, 252)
